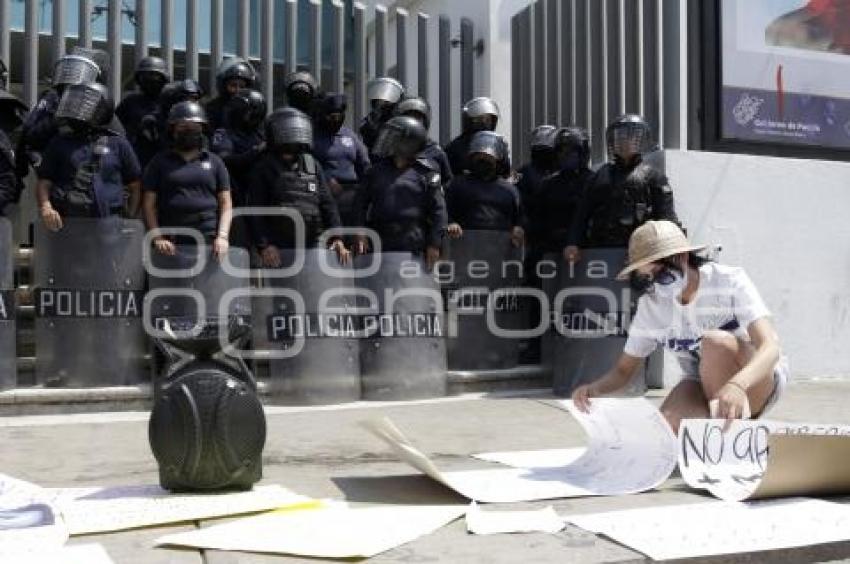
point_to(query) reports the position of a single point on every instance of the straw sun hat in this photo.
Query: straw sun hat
(655, 240)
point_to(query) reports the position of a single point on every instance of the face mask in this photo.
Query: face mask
(669, 284)
(570, 162)
(188, 140)
(482, 169)
(300, 97)
(333, 125)
(151, 87)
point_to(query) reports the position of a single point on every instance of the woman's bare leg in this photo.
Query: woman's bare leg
(685, 401)
(723, 355)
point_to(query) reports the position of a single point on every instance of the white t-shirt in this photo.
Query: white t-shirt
(726, 299)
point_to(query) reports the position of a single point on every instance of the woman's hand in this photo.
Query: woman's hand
(572, 254)
(361, 245)
(164, 247)
(582, 395)
(51, 218)
(518, 236)
(732, 403)
(454, 230)
(220, 247)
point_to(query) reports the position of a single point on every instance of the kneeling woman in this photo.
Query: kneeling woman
(712, 317)
(188, 186)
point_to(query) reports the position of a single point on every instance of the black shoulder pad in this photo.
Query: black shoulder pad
(427, 164)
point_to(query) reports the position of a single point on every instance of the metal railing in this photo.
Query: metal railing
(347, 19)
(584, 62)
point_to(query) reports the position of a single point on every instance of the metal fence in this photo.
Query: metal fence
(347, 20)
(584, 62)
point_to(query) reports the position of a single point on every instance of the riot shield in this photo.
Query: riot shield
(324, 368)
(403, 351)
(186, 290)
(482, 271)
(8, 354)
(89, 286)
(591, 313)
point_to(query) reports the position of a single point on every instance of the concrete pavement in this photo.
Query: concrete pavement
(321, 452)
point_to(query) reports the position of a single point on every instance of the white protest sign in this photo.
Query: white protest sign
(759, 459)
(28, 519)
(77, 554)
(549, 458)
(99, 510)
(630, 450)
(332, 531)
(719, 527)
(480, 522)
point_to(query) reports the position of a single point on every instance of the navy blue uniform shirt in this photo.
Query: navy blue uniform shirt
(187, 191)
(343, 155)
(485, 205)
(118, 166)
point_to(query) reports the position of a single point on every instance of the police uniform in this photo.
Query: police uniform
(619, 200)
(10, 183)
(556, 207)
(405, 207)
(132, 110)
(344, 158)
(88, 173)
(39, 128)
(240, 151)
(300, 186)
(487, 205)
(187, 191)
(435, 152)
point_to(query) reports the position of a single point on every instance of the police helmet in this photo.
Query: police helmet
(415, 107)
(543, 138)
(569, 139)
(478, 111)
(75, 69)
(401, 136)
(188, 111)
(235, 68)
(488, 143)
(289, 126)
(628, 135)
(89, 103)
(384, 89)
(246, 108)
(152, 65)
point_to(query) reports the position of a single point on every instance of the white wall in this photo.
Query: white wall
(786, 222)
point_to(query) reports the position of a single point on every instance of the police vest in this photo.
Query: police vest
(299, 189)
(78, 199)
(629, 205)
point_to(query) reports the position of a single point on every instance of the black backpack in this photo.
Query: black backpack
(207, 427)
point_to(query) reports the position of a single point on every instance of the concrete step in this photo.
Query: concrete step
(42, 400)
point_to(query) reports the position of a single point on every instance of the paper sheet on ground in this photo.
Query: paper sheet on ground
(720, 527)
(762, 459)
(630, 450)
(333, 531)
(78, 554)
(28, 519)
(480, 522)
(549, 458)
(100, 510)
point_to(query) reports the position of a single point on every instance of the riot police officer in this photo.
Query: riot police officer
(479, 114)
(302, 91)
(420, 109)
(542, 164)
(557, 203)
(240, 145)
(87, 168)
(151, 76)
(188, 186)
(13, 112)
(342, 154)
(624, 193)
(384, 94)
(402, 199)
(288, 176)
(232, 75)
(481, 199)
(153, 129)
(40, 126)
